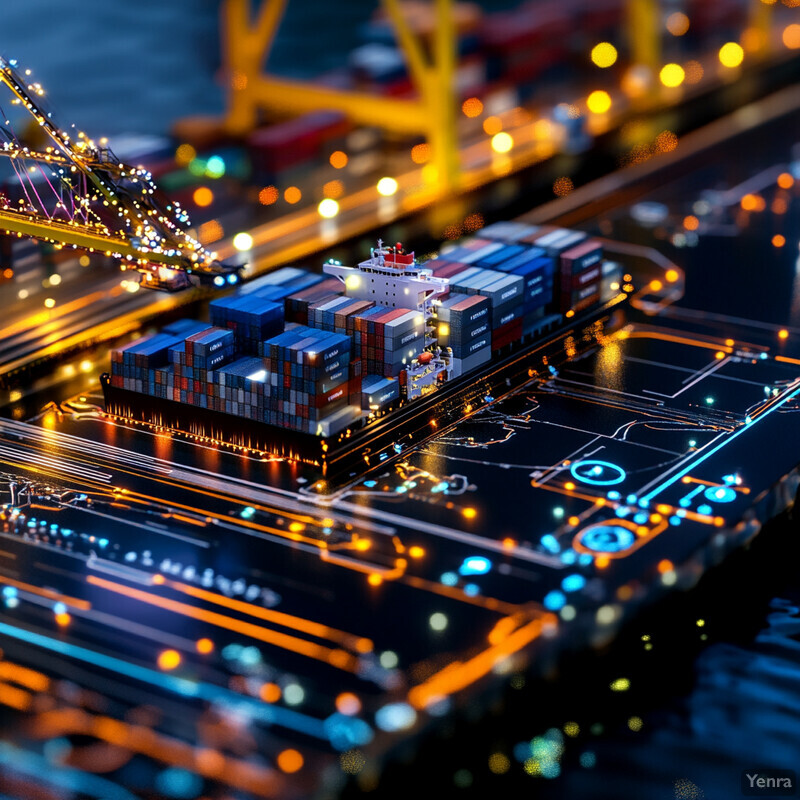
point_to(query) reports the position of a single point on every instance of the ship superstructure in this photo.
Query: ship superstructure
(391, 277)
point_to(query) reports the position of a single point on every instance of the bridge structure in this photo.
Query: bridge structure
(72, 192)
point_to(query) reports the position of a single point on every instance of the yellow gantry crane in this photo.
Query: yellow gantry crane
(248, 39)
(94, 202)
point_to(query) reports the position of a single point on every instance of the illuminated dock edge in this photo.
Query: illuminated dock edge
(375, 441)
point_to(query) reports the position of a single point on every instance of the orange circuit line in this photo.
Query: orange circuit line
(24, 676)
(205, 761)
(668, 337)
(492, 603)
(787, 360)
(338, 658)
(13, 697)
(267, 614)
(460, 674)
(49, 593)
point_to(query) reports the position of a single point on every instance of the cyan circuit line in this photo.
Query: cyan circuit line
(263, 712)
(746, 427)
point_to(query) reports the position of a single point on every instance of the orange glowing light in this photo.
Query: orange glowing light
(719, 355)
(290, 761)
(363, 544)
(563, 186)
(292, 195)
(574, 521)
(691, 223)
(204, 646)
(569, 486)
(169, 659)
(730, 342)
(601, 562)
(509, 543)
(753, 202)
(677, 23)
(472, 107)
(665, 565)
(492, 125)
(778, 240)
(158, 579)
(656, 286)
(470, 513)
(791, 36)
(333, 189)
(63, 619)
(347, 703)
(270, 692)
(415, 551)
(203, 196)
(783, 333)
(268, 195)
(374, 579)
(420, 153)
(671, 275)
(338, 159)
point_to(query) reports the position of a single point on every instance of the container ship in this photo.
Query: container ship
(346, 368)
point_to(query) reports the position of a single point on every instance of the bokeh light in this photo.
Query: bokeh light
(672, 75)
(731, 54)
(604, 55)
(598, 102)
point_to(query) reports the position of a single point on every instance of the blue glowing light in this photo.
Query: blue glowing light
(215, 167)
(607, 538)
(613, 495)
(9, 591)
(179, 783)
(554, 601)
(345, 733)
(720, 494)
(449, 578)
(550, 543)
(475, 565)
(472, 589)
(704, 509)
(395, 717)
(597, 473)
(573, 583)
(59, 608)
(370, 484)
(641, 518)
(233, 278)
(673, 520)
(219, 281)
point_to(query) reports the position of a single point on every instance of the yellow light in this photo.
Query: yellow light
(415, 551)
(444, 329)
(292, 195)
(203, 196)
(502, 142)
(49, 302)
(63, 619)
(387, 186)
(472, 107)
(55, 279)
(731, 54)
(598, 102)
(204, 646)
(352, 282)
(84, 261)
(338, 159)
(243, 241)
(373, 579)
(185, 154)
(169, 659)
(791, 36)
(328, 208)
(604, 55)
(86, 365)
(672, 75)
(783, 333)
(677, 23)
